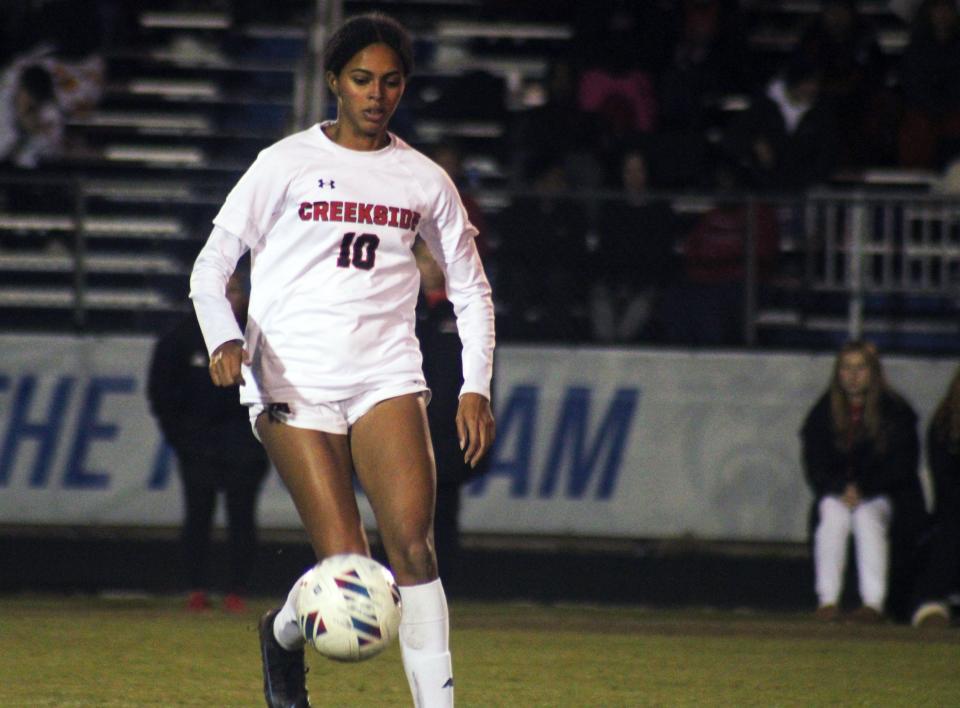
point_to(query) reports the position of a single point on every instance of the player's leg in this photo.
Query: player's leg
(393, 457)
(316, 468)
(394, 460)
(830, 541)
(871, 533)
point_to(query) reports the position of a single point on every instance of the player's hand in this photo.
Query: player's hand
(851, 496)
(476, 429)
(225, 363)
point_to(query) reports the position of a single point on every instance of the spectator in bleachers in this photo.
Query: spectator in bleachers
(443, 371)
(623, 109)
(633, 257)
(626, 102)
(616, 81)
(59, 72)
(71, 48)
(558, 123)
(66, 37)
(31, 121)
(930, 83)
(787, 139)
(860, 457)
(708, 61)
(939, 577)
(706, 307)
(843, 47)
(541, 256)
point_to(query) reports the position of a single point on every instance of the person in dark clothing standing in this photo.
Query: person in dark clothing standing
(860, 456)
(441, 349)
(210, 433)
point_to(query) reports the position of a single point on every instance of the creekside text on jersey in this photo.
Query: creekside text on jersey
(360, 213)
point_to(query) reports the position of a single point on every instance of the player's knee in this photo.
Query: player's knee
(415, 562)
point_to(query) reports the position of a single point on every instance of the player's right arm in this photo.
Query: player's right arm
(208, 283)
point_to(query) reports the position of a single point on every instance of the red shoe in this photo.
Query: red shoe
(197, 601)
(234, 604)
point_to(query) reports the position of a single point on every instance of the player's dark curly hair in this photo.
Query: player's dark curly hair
(363, 30)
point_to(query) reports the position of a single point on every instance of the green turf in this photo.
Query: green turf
(83, 651)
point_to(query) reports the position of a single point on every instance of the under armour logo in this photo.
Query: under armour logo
(323, 183)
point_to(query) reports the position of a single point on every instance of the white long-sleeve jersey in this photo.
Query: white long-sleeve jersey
(334, 281)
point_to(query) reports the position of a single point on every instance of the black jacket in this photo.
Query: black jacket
(804, 157)
(197, 418)
(944, 462)
(892, 471)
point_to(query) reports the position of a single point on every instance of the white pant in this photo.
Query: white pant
(870, 524)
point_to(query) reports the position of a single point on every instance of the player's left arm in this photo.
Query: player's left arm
(451, 238)
(469, 291)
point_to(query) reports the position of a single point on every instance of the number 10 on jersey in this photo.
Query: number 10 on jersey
(358, 251)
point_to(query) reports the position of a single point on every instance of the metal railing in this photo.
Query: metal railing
(846, 244)
(78, 244)
(868, 243)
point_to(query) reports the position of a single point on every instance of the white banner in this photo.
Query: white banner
(660, 444)
(591, 442)
(78, 444)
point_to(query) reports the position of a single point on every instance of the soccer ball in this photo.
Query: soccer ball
(348, 607)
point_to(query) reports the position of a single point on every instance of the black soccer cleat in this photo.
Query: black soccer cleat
(284, 675)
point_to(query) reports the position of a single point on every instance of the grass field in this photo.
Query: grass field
(86, 651)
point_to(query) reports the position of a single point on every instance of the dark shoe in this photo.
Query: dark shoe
(284, 675)
(866, 615)
(826, 613)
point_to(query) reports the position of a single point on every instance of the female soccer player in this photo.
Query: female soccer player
(329, 364)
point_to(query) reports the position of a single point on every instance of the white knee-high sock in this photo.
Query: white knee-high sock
(285, 626)
(425, 644)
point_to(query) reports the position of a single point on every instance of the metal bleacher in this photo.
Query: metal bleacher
(776, 25)
(105, 240)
